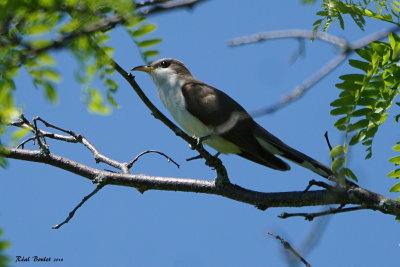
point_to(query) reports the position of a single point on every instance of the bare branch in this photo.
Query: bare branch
(301, 89)
(311, 216)
(353, 195)
(72, 138)
(300, 34)
(86, 198)
(129, 165)
(287, 246)
(346, 48)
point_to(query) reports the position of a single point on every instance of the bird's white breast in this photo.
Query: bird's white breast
(170, 93)
(169, 90)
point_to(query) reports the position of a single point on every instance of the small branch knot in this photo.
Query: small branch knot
(100, 179)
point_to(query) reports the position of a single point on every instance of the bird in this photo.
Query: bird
(217, 120)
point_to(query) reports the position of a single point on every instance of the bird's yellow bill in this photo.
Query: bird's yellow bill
(143, 68)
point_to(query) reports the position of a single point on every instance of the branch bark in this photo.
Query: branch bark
(353, 195)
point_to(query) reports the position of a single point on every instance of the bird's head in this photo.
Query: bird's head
(164, 68)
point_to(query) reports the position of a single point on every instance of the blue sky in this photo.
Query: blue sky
(121, 227)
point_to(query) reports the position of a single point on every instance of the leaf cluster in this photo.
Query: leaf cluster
(368, 94)
(31, 30)
(334, 10)
(366, 97)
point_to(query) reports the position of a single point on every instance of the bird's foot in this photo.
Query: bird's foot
(199, 141)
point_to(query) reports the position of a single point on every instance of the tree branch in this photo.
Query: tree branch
(353, 195)
(345, 49)
(86, 198)
(311, 216)
(105, 24)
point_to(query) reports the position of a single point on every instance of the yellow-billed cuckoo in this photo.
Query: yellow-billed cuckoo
(211, 115)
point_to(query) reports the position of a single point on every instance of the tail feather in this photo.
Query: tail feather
(275, 146)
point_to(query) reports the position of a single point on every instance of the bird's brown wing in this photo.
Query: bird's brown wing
(203, 102)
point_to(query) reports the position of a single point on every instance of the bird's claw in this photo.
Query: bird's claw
(199, 141)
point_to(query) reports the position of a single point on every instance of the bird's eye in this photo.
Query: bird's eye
(165, 64)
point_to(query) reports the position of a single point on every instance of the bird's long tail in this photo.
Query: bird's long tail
(273, 145)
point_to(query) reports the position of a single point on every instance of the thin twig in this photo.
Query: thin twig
(318, 183)
(327, 141)
(169, 159)
(311, 216)
(22, 144)
(39, 137)
(22, 122)
(86, 198)
(289, 247)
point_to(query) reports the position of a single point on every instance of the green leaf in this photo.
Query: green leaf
(341, 21)
(20, 133)
(362, 65)
(395, 188)
(111, 83)
(367, 143)
(395, 160)
(365, 101)
(364, 53)
(396, 147)
(45, 59)
(352, 77)
(361, 112)
(349, 85)
(111, 100)
(350, 174)
(357, 137)
(143, 30)
(151, 53)
(394, 174)
(341, 110)
(50, 92)
(341, 123)
(148, 43)
(337, 164)
(50, 74)
(96, 103)
(358, 125)
(343, 101)
(336, 151)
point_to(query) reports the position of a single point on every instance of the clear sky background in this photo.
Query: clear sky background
(121, 227)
